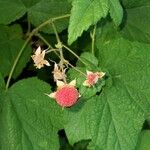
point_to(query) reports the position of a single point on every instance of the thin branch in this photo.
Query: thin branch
(93, 39)
(71, 51)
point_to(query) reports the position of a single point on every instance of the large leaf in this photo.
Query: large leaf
(46, 9)
(137, 21)
(134, 3)
(29, 121)
(144, 143)
(38, 11)
(10, 45)
(114, 118)
(11, 10)
(2, 82)
(85, 13)
(116, 11)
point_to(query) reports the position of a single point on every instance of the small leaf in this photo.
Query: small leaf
(85, 13)
(10, 45)
(116, 11)
(89, 59)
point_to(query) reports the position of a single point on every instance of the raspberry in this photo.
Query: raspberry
(67, 96)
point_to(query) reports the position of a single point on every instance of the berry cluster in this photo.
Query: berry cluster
(66, 94)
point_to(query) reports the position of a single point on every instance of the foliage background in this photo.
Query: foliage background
(109, 35)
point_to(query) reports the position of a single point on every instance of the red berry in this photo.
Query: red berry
(67, 96)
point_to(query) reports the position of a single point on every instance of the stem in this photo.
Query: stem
(56, 33)
(16, 61)
(93, 39)
(51, 50)
(34, 31)
(71, 51)
(47, 43)
(60, 51)
(50, 21)
(44, 40)
(62, 63)
(75, 68)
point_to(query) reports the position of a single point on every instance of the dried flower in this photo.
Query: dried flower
(57, 73)
(66, 95)
(92, 78)
(38, 58)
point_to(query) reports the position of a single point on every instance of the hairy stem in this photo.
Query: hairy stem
(75, 68)
(60, 51)
(44, 40)
(71, 51)
(93, 39)
(16, 61)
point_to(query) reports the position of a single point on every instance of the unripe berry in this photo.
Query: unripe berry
(92, 78)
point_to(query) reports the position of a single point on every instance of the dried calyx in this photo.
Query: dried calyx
(92, 78)
(58, 74)
(38, 58)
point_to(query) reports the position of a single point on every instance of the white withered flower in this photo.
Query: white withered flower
(38, 58)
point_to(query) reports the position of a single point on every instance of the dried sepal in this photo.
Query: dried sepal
(92, 78)
(57, 73)
(38, 58)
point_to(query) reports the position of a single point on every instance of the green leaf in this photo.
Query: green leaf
(47, 9)
(29, 3)
(29, 121)
(134, 3)
(85, 13)
(85, 92)
(10, 45)
(128, 64)
(144, 143)
(38, 11)
(11, 10)
(138, 19)
(114, 118)
(88, 59)
(116, 11)
(90, 64)
(2, 82)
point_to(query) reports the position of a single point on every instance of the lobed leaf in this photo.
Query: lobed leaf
(114, 119)
(136, 26)
(84, 14)
(37, 11)
(11, 10)
(29, 119)
(46, 9)
(144, 140)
